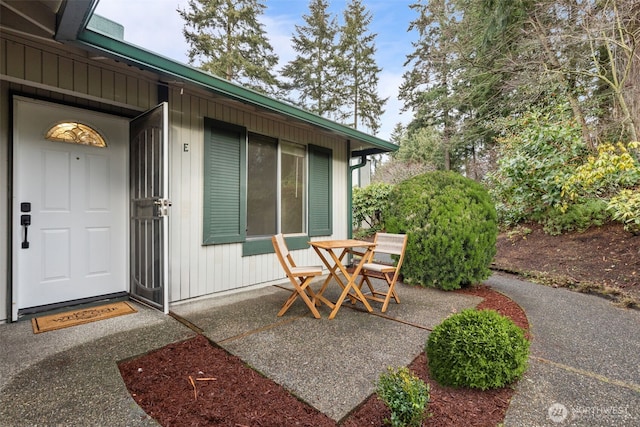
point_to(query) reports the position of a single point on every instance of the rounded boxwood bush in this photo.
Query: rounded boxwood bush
(452, 227)
(477, 349)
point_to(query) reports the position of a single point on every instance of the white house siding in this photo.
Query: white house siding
(198, 270)
(59, 73)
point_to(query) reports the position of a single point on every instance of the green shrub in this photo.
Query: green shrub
(477, 349)
(368, 204)
(405, 395)
(451, 226)
(610, 178)
(546, 173)
(604, 175)
(626, 209)
(537, 150)
(575, 217)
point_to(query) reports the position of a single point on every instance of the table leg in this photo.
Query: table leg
(333, 269)
(351, 279)
(319, 295)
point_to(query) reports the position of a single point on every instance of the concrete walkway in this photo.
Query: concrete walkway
(70, 377)
(584, 367)
(331, 364)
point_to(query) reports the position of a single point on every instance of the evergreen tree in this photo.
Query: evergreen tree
(429, 86)
(456, 83)
(312, 73)
(358, 70)
(227, 40)
(397, 135)
(424, 146)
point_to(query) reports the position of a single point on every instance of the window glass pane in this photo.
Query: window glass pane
(292, 190)
(262, 201)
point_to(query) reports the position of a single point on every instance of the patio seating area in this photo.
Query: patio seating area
(70, 376)
(334, 254)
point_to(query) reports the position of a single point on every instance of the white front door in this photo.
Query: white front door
(70, 234)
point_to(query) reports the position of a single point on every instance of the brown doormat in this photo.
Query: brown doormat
(52, 322)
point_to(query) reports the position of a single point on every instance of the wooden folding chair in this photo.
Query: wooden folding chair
(300, 277)
(390, 244)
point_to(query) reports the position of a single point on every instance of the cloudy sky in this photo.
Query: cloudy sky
(156, 26)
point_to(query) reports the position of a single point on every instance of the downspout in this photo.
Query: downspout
(363, 162)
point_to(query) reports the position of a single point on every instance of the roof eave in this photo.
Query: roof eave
(147, 60)
(73, 18)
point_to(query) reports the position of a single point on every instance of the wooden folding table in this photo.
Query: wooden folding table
(335, 266)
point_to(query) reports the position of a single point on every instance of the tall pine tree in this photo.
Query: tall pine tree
(312, 73)
(227, 40)
(428, 86)
(358, 70)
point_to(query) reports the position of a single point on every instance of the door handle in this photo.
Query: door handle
(162, 207)
(25, 222)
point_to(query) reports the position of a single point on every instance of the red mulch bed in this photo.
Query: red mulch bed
(161, 383)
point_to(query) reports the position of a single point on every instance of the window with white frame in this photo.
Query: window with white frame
(276, 187)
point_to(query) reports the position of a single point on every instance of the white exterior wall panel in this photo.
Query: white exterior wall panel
(196, 269)
(66, 75)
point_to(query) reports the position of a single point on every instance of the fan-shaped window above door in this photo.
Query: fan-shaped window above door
(76, 133)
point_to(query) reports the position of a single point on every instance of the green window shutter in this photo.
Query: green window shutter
(224, 182)
(320, 191)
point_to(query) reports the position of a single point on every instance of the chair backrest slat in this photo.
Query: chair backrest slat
(390, 243)
(282, 251)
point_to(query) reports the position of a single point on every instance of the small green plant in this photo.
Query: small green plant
(626, 209)
(405, 395)
(477, 349)
(519, 232)
(575, 217)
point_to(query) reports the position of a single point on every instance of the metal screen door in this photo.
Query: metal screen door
(149, 207)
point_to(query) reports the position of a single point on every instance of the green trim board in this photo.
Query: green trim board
(265, 246)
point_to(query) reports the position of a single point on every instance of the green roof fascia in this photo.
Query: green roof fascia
(145, 59)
